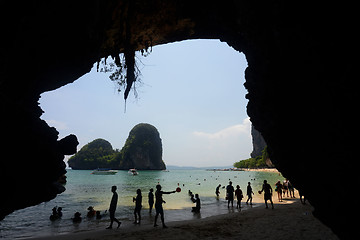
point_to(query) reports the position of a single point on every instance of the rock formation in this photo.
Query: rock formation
(96, 154)
(301, 76)
(258, 143)
(142, 149)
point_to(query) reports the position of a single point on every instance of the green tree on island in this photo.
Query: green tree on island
(142, 150)
(258, 162)
(96, 154)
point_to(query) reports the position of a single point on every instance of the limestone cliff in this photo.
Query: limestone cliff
(142, 149)
(96, 154)
(258, 143)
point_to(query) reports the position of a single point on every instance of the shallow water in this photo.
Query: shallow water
(84, 189)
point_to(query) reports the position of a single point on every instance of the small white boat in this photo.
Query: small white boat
(104, 171)
(133, 171)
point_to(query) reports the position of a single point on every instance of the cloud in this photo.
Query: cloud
(229, 132)
(57, 124)
(221, 148)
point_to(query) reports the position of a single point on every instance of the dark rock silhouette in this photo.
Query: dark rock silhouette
(301, 76)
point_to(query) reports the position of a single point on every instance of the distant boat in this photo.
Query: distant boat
(104, 171)
(133, 171)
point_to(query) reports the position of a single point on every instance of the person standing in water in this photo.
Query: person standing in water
(249, 193)
(230, 194)
(151, 199)
(158, 205)
(239, 196)
(138, 206)
(267, 193)
(217, 191)
(112, 208)
(197, 207)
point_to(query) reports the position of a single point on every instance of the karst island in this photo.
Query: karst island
(142, 150)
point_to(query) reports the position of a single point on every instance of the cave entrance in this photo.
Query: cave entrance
(192, 92)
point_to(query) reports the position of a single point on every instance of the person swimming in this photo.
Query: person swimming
(56, 213)
(77, 217)
(91, 212)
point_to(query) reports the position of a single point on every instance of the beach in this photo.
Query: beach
(272, 170)
(288, 220)
(85, 190)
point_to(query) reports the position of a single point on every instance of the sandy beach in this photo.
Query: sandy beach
(289, 220)
(274, 170)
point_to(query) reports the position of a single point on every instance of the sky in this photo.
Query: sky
(192, 92)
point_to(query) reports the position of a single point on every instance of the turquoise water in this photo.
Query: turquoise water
(84, 189)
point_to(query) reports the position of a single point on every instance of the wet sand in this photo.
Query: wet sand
(289, 220)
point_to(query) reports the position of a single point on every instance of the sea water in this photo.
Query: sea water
(84, 189)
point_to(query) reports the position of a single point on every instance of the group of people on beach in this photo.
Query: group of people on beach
(284, 188)
(159, 201)
(138, 205)
(230, 192)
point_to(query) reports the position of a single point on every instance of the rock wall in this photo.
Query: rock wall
(302, 59)
(258, 143)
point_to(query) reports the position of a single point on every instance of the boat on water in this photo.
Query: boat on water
(133, 171)
(104, 171)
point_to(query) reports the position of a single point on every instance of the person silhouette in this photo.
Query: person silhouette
(54, 215)
(158, 204)
(278, 189)
(138, 206)
(98, 215)
(230, 194)
(91, 212)
(239, 196)
(267, 193)
(59, 212)
(197, 207)
(77, 217)
(112, 208)
(249, 193)
(217, 191)
(151, 199)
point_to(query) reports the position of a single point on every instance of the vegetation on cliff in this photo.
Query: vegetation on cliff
(98, 153)
(142, 150)
(261, 161)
